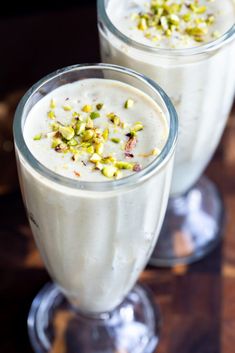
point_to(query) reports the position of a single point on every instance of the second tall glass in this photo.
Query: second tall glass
(200, 82)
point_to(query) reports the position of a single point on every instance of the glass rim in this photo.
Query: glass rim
(170, 52)
(109, 185)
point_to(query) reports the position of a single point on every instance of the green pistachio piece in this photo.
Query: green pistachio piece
(124, 165)
(115, 140)
(55, 126)
(90, 149)
(114, 118)
(87, 108)
(142, 25)
(67, 132)
(67, 108)
(61, 148)
(129, 103)
(80, 127)
(87, 135)
(51, 114)
(95, 158)
(89, 123)
(174, 19)
(108, 160)
(52, 104)
(99, 148)
(99, 166)
(106, 134)
(72, 142)
(137, 127)
(109, 171)
(56, 142)
(76, 115)
(37, 137)
(94, 115)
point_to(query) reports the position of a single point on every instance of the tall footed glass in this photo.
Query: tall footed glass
(200, 82)
(94, 237)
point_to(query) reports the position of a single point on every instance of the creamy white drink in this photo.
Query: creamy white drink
(183, 46)
(94, 127)
(95, 239)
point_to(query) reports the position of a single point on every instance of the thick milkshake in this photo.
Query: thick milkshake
(186, 46)
(91, 153)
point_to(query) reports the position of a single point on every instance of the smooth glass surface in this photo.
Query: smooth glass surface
(94, 237)
(193, 226)
(201, 83)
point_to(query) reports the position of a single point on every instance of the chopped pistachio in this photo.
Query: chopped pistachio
(99, 148)
(51, 114)
(87, 108)
(67, 108)
(55, 126)
(106, 134)
(99, 166)
(62, 147)
(90, 150)
(88, 134)
(67, 132)
(129, 103)
(99, 106)
(72, 142)
(56, 142)
(89, 123)
(137, 127)
(95, 158)
(52, 104)
(168, 18)
(118, 174)
(109, 171)
(115, 139)
(114, 118)
(80, 127)
(94, 115)
(142, 24)
(108, 160)
(37, 137)
(124, 165)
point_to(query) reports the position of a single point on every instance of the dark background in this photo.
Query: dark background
(40, 37)
(198, 301)
(31, 7)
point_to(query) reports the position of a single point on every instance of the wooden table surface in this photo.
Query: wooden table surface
(197, 301)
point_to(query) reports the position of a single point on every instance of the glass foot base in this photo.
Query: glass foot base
(55, 326)
(192, 227)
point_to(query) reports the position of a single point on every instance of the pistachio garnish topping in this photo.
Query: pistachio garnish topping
(109, 171)
(115, 140)
(67, 108)
(164, 18)
(129, 103)
(67, 132)
(124, 165)
(94, 115)
(37, 137)
(99, 106)
(51, 114)
(87, 142)
(52, 104)
(87, 108)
